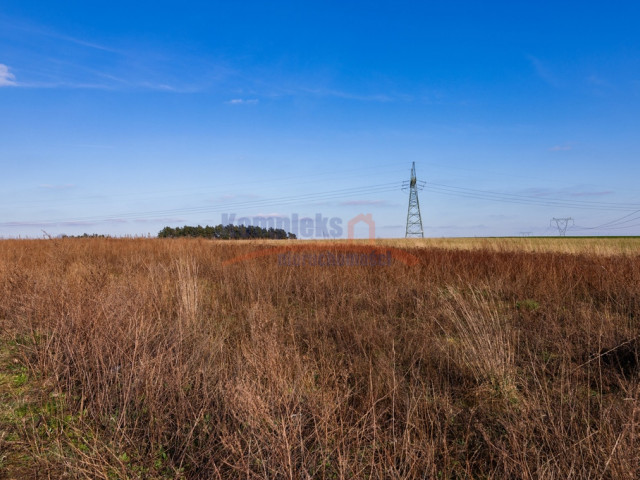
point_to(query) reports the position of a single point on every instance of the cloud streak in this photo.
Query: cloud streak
(269, 215)
(69, 60)
(599, 193)
(48, 186)
(7, 79)
(577, 191)
(90, 223)
(159, 220)
(242, 101)
(357, 203)
(54, 224)
(23, 28)
(70, 64)
(543, 71)
(325, 92)
(561, 148)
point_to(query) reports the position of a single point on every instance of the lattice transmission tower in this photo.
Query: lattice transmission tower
(414, 220)
(562, 224)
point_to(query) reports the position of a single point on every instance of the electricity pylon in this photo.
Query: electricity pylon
(562, 224)
(414, 220)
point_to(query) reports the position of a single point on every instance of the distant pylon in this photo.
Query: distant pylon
(562, 224)
(414, 220)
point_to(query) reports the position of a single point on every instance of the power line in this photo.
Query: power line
(286, 200)
(526, 199)
(625, 221)
(614, 223)
(311, 178)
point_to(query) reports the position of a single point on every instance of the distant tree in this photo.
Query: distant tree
(226, 232)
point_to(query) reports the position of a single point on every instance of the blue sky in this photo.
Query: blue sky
(122, 118)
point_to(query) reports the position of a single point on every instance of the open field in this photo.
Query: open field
(483, 358)
(583, 245)
(600, 246)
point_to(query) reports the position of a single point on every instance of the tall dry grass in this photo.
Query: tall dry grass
(601, 246)
(165, 360)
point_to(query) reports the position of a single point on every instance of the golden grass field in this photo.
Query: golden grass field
(190, 358)
(601, 246)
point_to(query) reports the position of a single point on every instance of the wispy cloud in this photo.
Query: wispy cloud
(242, 101)
(26, 224)
(74, 61)
(327, 92)
(89, 145)
(271, 83)
(224, 198)
(116, 220)
(543, 71)
(133, 85)
(597, 81)
(598, 193)
(233, 196)
(69, 63)
(311, 88)
(82, 43)
(7, 79)
(91, 223)
(159, 220)
(77, 223)
(269, 215)
(65, 186)
(66, 84)
(161, 87)
(359, 203)
(576, 191)
(479, 226)
(23, 27)
(561, 148)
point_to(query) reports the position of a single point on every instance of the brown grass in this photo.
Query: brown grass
(601, 246)
(160, 359)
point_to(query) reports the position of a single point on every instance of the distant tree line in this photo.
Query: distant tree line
(226, 232)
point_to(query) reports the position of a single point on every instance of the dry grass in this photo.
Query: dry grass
(601, 246)
(162, 359)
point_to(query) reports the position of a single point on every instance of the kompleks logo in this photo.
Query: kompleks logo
(318, 226)
(337, 258)
(349, 253)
